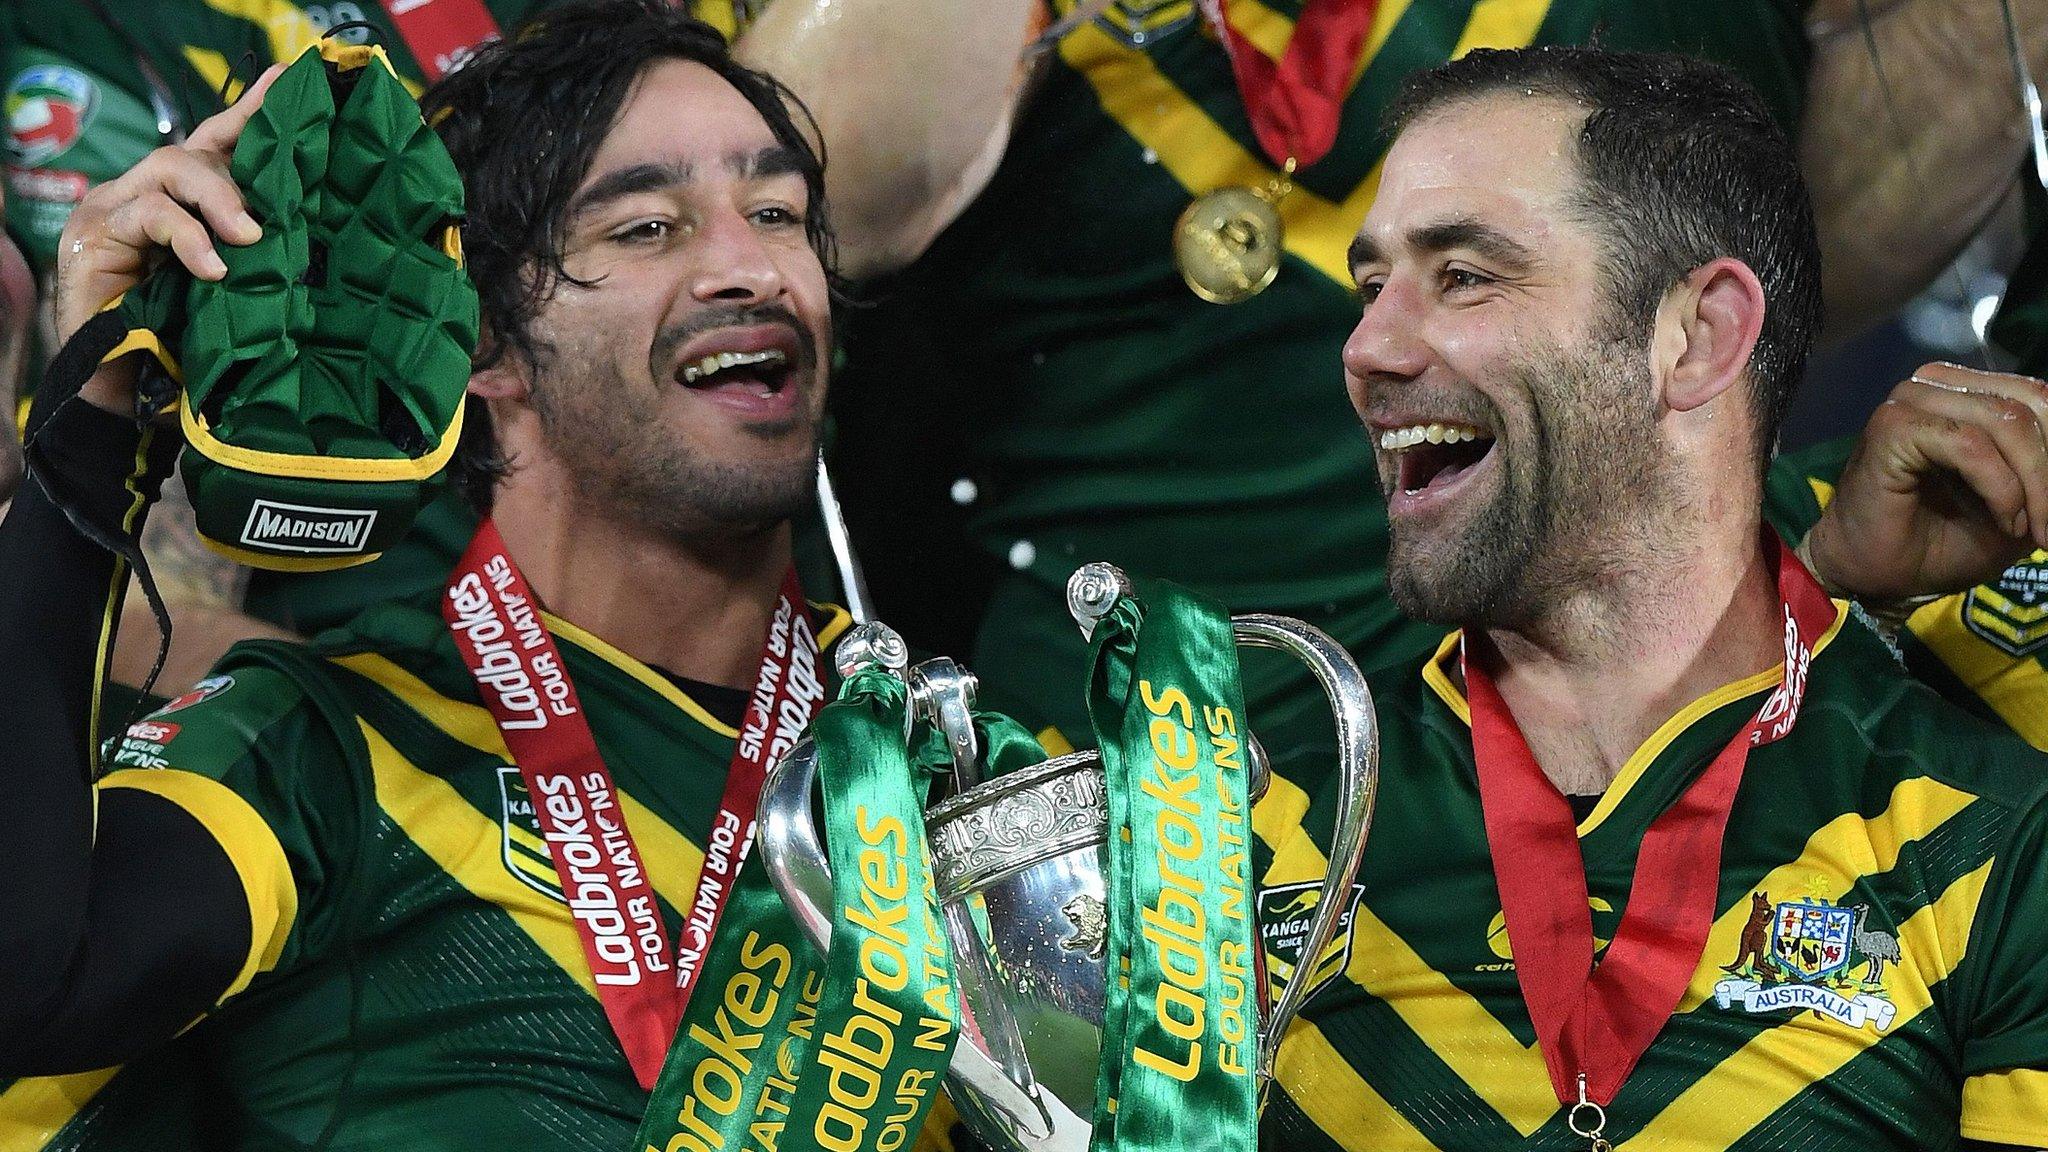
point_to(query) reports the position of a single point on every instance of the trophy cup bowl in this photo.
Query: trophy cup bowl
(1017, 862)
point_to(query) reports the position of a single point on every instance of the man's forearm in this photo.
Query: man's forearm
(1900, 185)
(54, 602)
(914, 100)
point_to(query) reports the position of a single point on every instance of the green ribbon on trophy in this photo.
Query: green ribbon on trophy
(1180, 1030)
(858, 1048)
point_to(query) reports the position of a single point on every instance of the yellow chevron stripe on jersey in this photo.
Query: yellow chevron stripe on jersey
(672, 860)
(465, 844)
(1346, 1108)
(1511, 1077)
(213, 68)
(1502, 24)
(32, 1111)
(1270, 31)
(289, 30)
(1202, 156)
(2008, 1107)
(2014, 688)
(259, 860)
(1779, 1063)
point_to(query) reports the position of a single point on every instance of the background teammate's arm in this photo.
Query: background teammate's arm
(1947, 486)
(1896, 199)
(914, 99)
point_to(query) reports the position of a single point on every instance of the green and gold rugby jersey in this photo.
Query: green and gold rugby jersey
(1985, 649)
(1888, 821)
(414, 979)
(1102, 411)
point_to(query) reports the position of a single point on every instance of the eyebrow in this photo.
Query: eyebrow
(1463, 232)
(774, 160)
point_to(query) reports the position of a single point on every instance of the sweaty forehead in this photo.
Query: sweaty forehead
(681, 112)
(1505, 160)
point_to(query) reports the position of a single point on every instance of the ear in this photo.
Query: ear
(1706, 329)
(506, 379)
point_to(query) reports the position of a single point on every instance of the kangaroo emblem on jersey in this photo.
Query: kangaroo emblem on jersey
(2011, 613)
(1286, 913)
(525, 853)
(1811, 954)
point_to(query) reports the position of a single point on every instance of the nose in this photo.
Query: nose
(1387, 345)
(734, 264)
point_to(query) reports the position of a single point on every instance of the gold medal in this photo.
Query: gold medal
(1227, 245)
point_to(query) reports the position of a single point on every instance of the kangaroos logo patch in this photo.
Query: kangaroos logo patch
(1286, 913)
(526, 854)
(2011, 613)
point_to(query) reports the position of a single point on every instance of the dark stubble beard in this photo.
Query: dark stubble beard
(622, 456)
(1580, 499)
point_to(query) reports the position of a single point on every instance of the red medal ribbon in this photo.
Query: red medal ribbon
(1295, 105)
(1596, 1022)
(441, 34)
(643, 983)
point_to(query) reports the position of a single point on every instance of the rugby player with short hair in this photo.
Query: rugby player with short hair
(1812, 897)
(322, 860)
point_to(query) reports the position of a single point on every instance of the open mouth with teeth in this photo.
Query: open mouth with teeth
(1433, 456)
(762, 373)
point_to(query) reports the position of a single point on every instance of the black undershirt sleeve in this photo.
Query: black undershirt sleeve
(114, 937)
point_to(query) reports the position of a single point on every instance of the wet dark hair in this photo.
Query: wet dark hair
(523, 118)
(1680, 164)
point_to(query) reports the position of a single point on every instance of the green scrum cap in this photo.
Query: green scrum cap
(320, 383)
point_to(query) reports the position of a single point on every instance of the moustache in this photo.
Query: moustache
(676, 335)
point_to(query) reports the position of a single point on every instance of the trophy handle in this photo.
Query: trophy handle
(1358, 765)
(1092, 592)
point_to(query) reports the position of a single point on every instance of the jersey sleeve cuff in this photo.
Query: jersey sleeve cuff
(251, 846)
(2009, 1107)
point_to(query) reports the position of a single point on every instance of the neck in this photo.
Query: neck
(1591, 680)
(697, 609)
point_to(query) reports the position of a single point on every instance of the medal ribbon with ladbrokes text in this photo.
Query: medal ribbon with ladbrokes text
(1593, 1024)
(643, 983)
(1180, 1028)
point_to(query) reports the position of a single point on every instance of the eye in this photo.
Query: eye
(644, 232)
(1369, 291)
(778, 216)
(1455, 279)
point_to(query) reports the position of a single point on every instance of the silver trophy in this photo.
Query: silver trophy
(1018, 865)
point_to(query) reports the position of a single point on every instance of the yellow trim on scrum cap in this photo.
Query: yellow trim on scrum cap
(202, 440)
(138, 341)
(251, 847)
(347, 57)
(275, 563)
